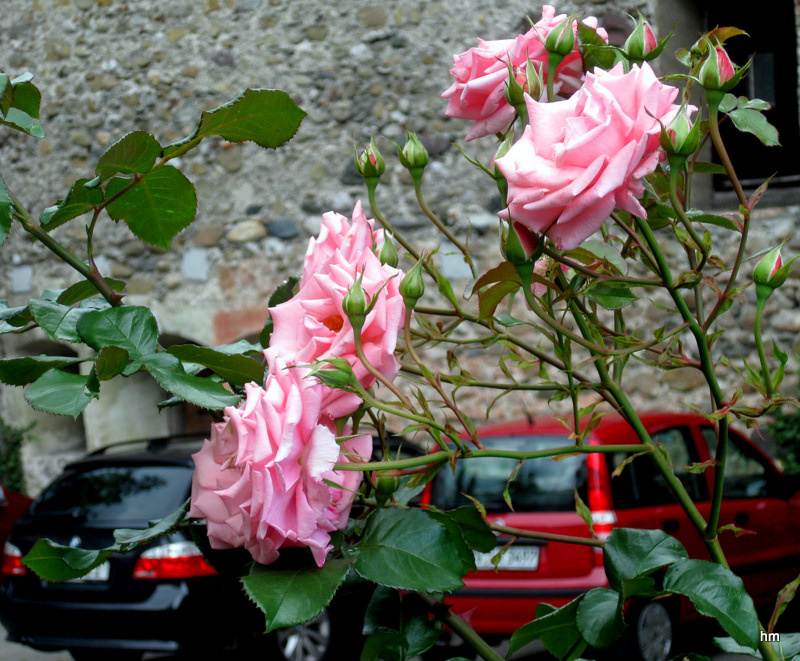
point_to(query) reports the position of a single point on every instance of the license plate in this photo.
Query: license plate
(517, 557)
(98, 574)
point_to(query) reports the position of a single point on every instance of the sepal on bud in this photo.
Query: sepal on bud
(333, 372)
(680, 139)
(561, 39)
(770, 273)
(642, 45)
(413, 156)
(354, 305)
(388, 253)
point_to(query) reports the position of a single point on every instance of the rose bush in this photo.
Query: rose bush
(481, 74)
(260, 480)
(580, 158)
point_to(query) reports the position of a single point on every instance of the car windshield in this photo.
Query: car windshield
(117, 494)
(541, 485)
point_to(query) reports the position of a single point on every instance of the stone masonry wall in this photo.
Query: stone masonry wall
(107, 67)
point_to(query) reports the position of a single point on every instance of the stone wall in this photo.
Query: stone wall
(107, 67)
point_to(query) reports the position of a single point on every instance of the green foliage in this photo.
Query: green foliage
(397, 627)
(785, 430)
(12, 474)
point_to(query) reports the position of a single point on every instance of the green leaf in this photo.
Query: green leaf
(27, 97)
(591, 251)
(133, 328)
(492, 297)
(632, 553)
(235, 369)
(752, 121)
(283, 292)
(732, 647)
(126, 539)
(292, 596)
(612, 296)
(717, 592)
(110, 361)
(557, 628)
(728, 103)
(267, 117)
(79, 200)
(86, 289)
(708, 168)
(476, 531)
(599, 617)
(409, 550)
(157, 208)
(61, 393)
(411, 631)
(170, 375)
(134, 153)
(55, 562)
(6, 93)
(456, 539)
(5, 212)
(711, 219)
(505, 271)
(22, 121)
(58, 321)
(22, 371)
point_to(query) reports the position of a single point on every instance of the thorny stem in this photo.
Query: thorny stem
(546, 536)
(369, 367)
(762, 354)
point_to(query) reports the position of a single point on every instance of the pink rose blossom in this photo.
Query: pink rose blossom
(312, 325)
(478, 92)
(260, 481)
(581, 157)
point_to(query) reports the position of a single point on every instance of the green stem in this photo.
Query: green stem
(460, 627)
(674, 178)
(548, 537)
(380, 377)
(762, 354)
(441, 226)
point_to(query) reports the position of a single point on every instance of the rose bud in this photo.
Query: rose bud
(413, 156)
(640, 42)
(561, 39)
(718, 72)
(771, 273)
(681, 138)
(354, 304)
(370, 163)
(388, 253)
(412, 286)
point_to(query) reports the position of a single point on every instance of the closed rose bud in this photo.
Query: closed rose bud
(718, 72)
(681, 138)
(388, 253)
(412, 286)
(413, 156)
(354, 304)
(641, 41)
(370, 163)
(561, 39)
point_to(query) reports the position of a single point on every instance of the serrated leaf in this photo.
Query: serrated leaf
(58, 321)
(170, 375)
(235, 369)
(583, 511)
(133, 153)
(408, 550)
(110, 361)
(591, 251)
(61, 393)
(267, 117)
(716, 592)
(86, 289)
(557, 629)
(752, 121)
(27, 97)
(402, 623)
(493, 296)
(283, 292)
(290, 597)
(133, 328)
(22, 371)
(708, 168)
(157, 208)
(599, 617)
(611, 296)
(456, 539)
(712, 219)
(476, 531)
(728, 103)
(126, 538)
(79, 200)
(5, 212)
(501, 272)
(55, 562)
(631, 553)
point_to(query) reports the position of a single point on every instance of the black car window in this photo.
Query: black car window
(641, 485)
(541, 485)
(747, 474)
(116, 494)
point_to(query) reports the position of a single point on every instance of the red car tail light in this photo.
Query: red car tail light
(174, 560)
(12, 561)
(604, 518)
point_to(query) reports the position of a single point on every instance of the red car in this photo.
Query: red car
(12, 505)
(543, 495)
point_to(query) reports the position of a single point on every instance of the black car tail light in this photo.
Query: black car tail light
(12, 561)
(173, 560)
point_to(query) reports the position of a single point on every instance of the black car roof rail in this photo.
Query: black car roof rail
(152, 444)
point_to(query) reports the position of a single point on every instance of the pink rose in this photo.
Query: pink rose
(338, 233)
(260, 481)
(312, 326)
(581, 157)
(478, 92)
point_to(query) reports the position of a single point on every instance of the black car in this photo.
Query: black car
(161, 597)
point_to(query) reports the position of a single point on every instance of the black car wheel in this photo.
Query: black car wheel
(92, 654)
